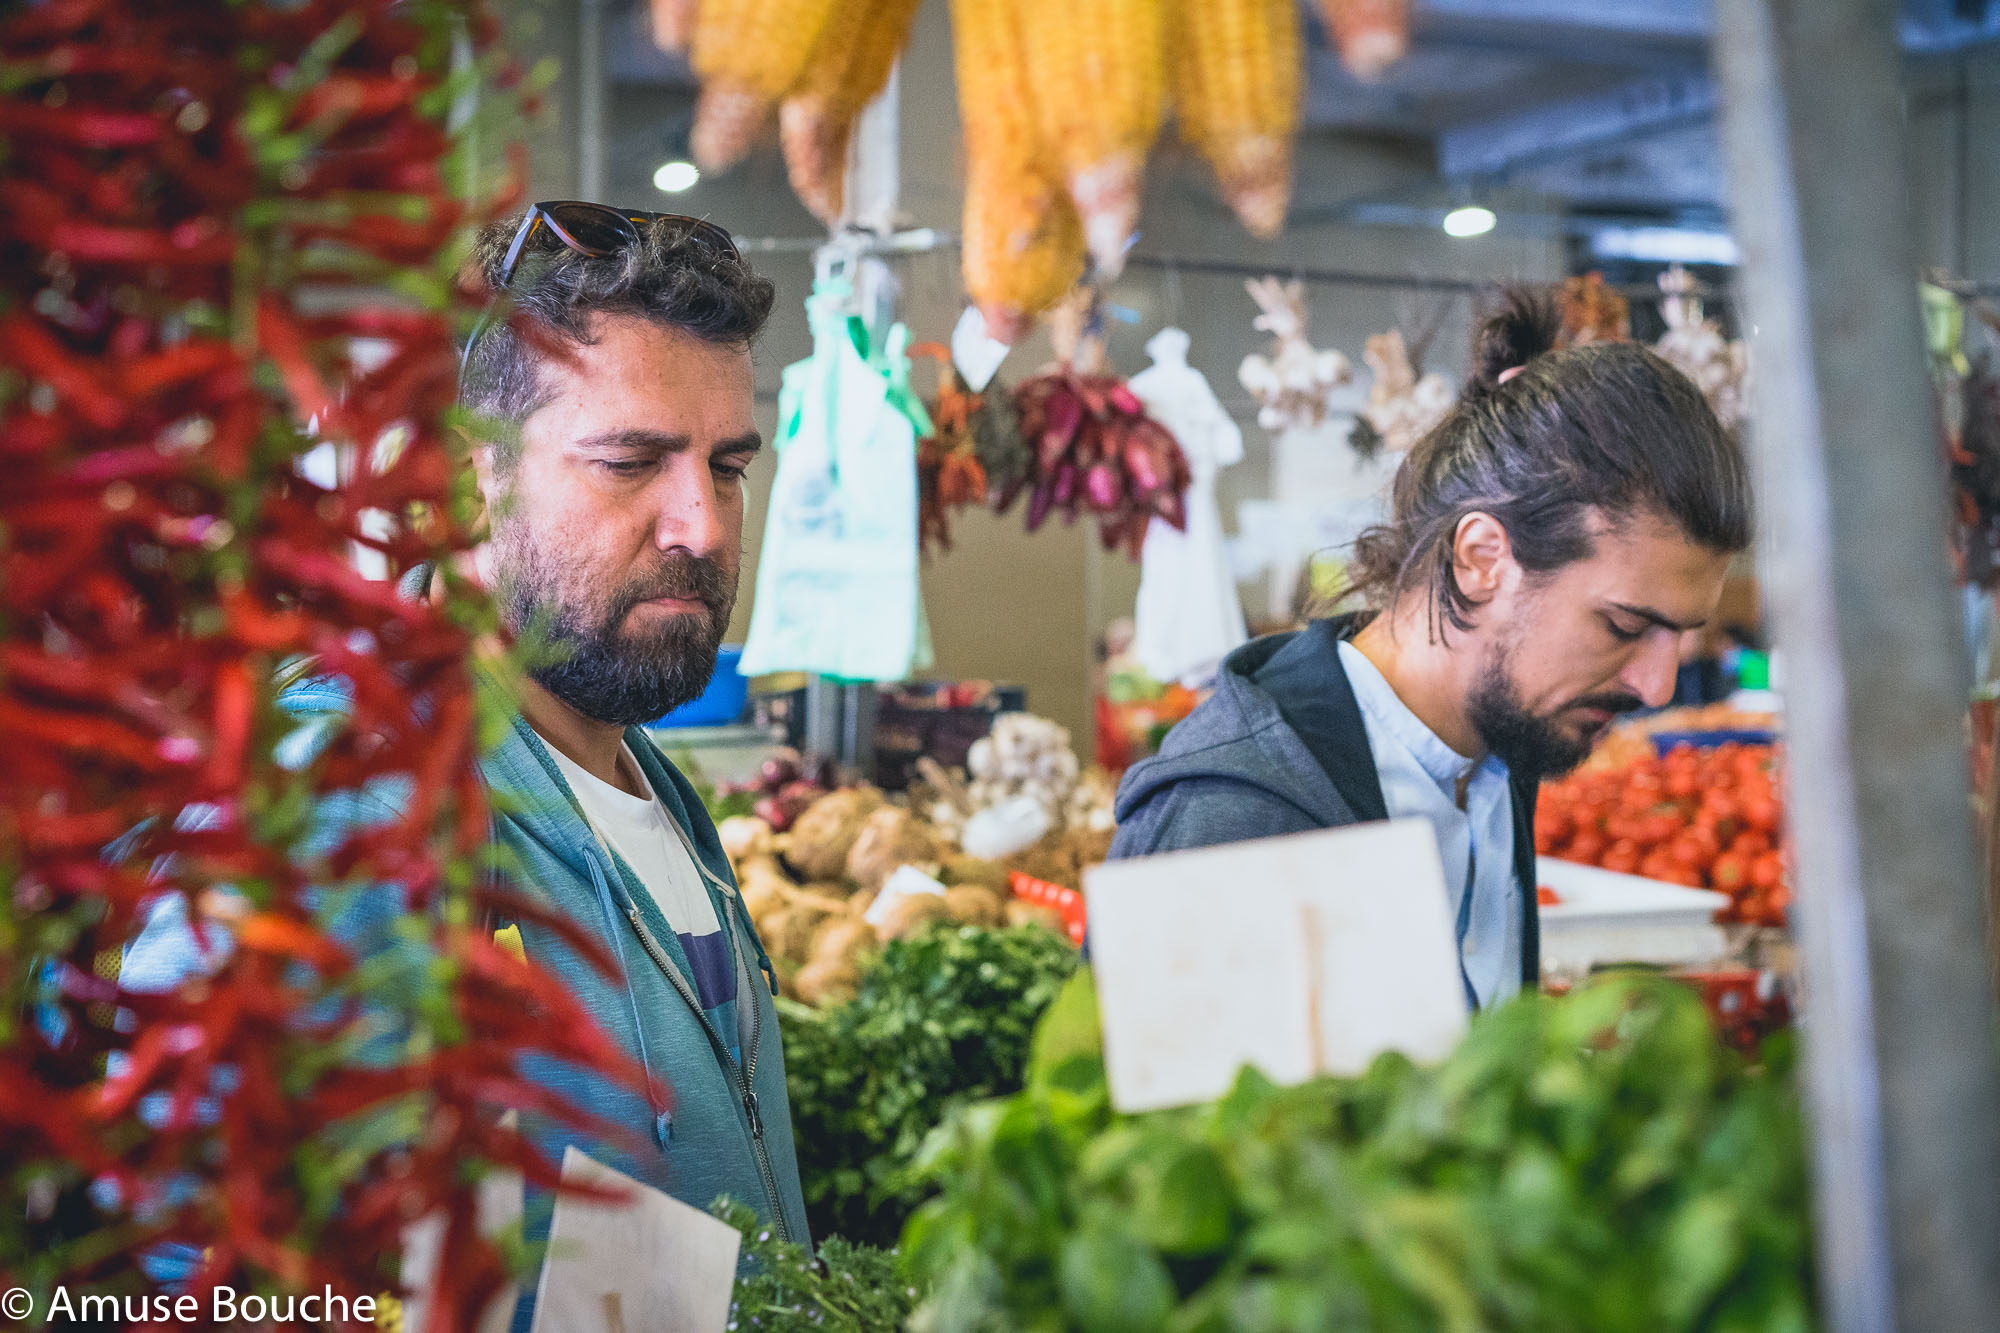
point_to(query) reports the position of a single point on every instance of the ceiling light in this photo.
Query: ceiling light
(1664, 245)
(1471, 220)
(676, 176)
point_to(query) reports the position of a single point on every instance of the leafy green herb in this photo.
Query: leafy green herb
(937, 1020)
(720, 804)
(1596, 1163)
(785, 1288)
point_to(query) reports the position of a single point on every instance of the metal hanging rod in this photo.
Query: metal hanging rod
(926, 239)
(919, 240)
(1325, 276)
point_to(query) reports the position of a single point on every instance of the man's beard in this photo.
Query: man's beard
(612, 676)
(1531, 745)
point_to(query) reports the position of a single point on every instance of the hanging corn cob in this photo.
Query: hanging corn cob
(1370, 35)
(1097, 75)
(1023, 243)
(1236, 70)
(993, 84)
(749, 54)
(673, 24)
(1023, 247)
(849, 66)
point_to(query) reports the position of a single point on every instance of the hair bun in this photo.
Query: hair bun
(1526, 324)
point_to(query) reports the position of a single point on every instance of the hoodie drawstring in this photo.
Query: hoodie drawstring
(661, 1119)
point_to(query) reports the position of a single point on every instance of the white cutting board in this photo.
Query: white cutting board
(1606, 917)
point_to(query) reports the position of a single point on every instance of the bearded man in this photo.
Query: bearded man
(618, 388)
(1548, 545)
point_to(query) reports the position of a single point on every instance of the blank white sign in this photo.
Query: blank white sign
(1305, 955)
(652, 1265)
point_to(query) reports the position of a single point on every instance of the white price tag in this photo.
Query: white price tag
(977, 356)
(907, 882)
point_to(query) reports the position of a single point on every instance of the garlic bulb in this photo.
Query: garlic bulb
(1024, 755)
(1694, 345)
(1292, 384)
(1401, 407)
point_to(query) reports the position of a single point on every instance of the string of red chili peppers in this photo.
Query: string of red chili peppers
(203, 206)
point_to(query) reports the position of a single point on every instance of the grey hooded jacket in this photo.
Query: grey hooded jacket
(1279, 748)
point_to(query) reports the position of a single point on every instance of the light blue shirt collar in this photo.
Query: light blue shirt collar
(1421, 778)
(1382, 706)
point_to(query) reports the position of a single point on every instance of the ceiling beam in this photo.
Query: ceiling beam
(1555, 130)
(1658, 21)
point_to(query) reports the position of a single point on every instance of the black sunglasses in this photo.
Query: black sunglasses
(593, 231)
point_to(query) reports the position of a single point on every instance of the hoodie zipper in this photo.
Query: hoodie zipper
(746, 1075)
(735, 927)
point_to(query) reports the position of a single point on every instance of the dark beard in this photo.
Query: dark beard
(607, 675)
(1531, 746)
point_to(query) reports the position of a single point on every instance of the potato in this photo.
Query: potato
(843, 939)
(746, 836)
(1021, 913)
(763, 886)
(826, 982)
(823, 897)
(1090, 847)
(1052, 860)
(762, 899)
(975, 906)
(788, 932)
(909, 912)
(973, 870)
(891, 839)
(826, 832)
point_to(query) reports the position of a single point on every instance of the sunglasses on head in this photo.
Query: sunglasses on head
(594, 231)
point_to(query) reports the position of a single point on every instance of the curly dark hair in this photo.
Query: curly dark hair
(1597, 429)
(670, 278)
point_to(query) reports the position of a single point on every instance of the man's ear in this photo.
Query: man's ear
(482, 468)
(1482, 557)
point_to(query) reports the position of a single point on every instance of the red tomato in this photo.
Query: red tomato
(1660, 864)
(1766, 871)
(1587, 848)
(1701, 838)
(1761, 812)
(1751, 844)
(1622, 856)
(1662, 825)
(1547, 897)
(1729, 873)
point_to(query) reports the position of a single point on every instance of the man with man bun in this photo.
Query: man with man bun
(1548, 545)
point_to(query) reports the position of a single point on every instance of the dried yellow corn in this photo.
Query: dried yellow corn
(993, 84)
(748, 53)
(673, 24)
(1370, 35)
(848, 67)
(1237, 80)
(1023, 242)
(1097, 75)
(1023, 248)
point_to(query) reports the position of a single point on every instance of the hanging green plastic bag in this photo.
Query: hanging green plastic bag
(837, 576)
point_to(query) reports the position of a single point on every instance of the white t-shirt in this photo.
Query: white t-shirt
(639, 829)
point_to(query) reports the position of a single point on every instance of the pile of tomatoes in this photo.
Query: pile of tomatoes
(1709, 818)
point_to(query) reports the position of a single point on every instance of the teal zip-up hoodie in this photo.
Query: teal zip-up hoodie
(729, 1127)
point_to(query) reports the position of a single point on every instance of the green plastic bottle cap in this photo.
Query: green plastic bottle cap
(1753, 670)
